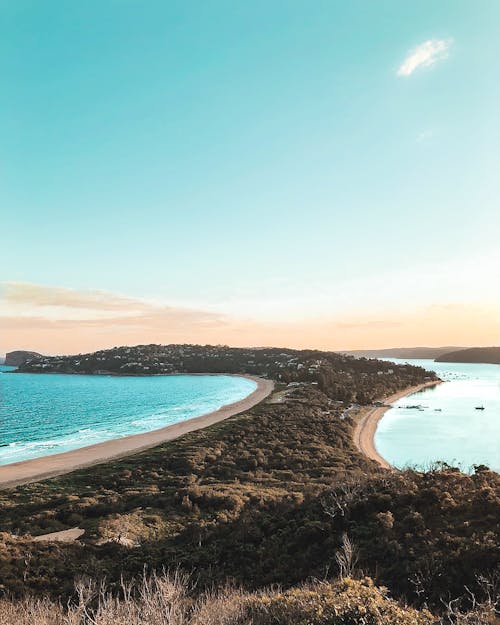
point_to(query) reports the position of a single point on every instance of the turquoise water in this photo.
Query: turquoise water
(448, 427)
(44, 414)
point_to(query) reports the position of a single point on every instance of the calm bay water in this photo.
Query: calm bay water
(44, 414)
(448, 427)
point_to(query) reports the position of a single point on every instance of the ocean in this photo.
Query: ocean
(447, 426)
(44, 414)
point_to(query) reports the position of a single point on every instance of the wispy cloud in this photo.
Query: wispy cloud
(37, 295)
(58, 320)
(47, 305)
(425, 55)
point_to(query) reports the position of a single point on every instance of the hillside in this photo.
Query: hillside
(402, 352)
(19, 357)
(342, 377)
(485, 355)
(276, 495)
(262, 498)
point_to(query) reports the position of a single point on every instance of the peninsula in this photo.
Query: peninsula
(342, 377)
(344, 380)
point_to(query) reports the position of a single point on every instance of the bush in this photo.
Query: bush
(166, 600)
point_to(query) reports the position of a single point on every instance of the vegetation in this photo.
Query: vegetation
(342, 377)
(172, 501)
(251, 501)
(486, 355)
(278, 495)
(168, 601)
(171, 600)
(427, 536)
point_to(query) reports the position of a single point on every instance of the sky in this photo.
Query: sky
(251, 173)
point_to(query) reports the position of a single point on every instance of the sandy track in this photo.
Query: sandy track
(64, 536)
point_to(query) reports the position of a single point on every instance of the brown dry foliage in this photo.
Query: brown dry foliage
(170, 600)
(167, 600)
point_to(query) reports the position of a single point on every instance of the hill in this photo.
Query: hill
(485, 355)
(342, 377)
(19, 357)
(402, 352)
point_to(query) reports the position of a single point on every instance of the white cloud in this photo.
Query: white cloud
(425, 55)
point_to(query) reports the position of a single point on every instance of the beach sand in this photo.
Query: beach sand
(58, 464)
(368, 418)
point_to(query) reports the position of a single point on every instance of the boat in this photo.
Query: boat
(479, 407)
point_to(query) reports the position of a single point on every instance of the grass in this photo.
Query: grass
(169, 600)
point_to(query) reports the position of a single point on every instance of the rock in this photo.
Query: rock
(19, 357)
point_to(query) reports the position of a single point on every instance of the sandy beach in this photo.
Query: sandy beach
(368, 418)
(58, 464)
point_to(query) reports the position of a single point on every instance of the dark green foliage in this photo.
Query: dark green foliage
(427, 536)
(342, 377)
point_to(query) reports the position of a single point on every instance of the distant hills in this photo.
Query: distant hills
(487, 355)
(19, 357)
(404, 352)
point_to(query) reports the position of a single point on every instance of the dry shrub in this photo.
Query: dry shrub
(156, 600)
(229, 607)
(32, 612)
(168, 600)
(345, 602)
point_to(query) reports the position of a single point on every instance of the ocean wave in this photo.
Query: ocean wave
(57, 414)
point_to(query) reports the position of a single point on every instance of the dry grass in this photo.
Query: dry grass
(157, 600)
(168, 600)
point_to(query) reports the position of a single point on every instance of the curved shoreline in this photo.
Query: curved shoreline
(368, 419)
(45, 467)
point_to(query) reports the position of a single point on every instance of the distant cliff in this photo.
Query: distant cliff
(487, 355)
(404, 352)
(19, 357)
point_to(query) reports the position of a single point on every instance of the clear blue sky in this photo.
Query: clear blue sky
(225, 155)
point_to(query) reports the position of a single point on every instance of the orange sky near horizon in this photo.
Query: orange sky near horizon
(64, 321)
